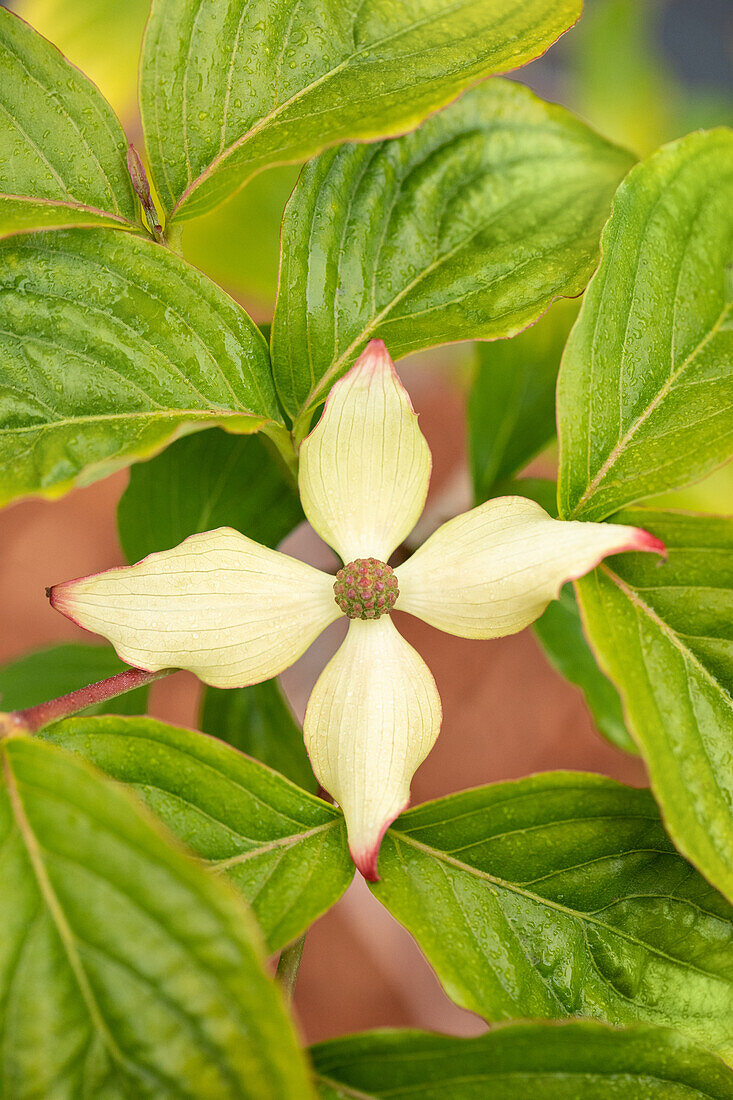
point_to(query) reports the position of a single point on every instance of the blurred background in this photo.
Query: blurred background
(642, 72)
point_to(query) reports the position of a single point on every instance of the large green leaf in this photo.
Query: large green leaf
(48, 673)
(257, 720)
(511, 404)
(568, 1062)
(664, 634)
(645, 395)
(228, 90)
(560, 631)
(125, 970)
(285, 850)
(59, 138)
(109, 346)
(467, 228)
(560, 895)
(207, 480)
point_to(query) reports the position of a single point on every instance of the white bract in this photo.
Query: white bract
(236, 613)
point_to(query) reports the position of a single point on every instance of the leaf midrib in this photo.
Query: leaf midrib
(143, 414)
(436, 263)
(510, 887)
(55, 911)
(661, 394)
(271, 846)
(523, 1075)
(635, 599)
(271, 115)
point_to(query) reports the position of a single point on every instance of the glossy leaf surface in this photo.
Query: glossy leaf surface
(204, 481)
(59, 138)
(560, 895)
(561, 633)
(110, 346)
(282, 848)
(227, 91)
(549, 1061)
(125, 970)
(47, 673)
(467, 228)
(645, 395)
(511, 404)
(257, 720)
(665, 637)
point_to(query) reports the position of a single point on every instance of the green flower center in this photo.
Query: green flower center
(366, 589)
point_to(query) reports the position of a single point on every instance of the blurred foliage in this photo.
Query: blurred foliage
(238, 244)
(622, 81)
(101, 37)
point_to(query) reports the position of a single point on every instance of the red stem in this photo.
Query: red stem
(35, 718)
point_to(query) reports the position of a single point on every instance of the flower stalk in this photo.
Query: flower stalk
(35, 718)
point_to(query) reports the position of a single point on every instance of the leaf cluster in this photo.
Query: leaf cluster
(150, 871)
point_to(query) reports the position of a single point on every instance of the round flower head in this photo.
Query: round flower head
(236, 613)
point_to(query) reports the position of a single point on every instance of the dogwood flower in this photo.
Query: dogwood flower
(236, 613)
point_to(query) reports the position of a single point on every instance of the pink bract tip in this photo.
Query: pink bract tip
(58, 598)
(366, 857)
(647, 542)
(374, 357)
(366, 863)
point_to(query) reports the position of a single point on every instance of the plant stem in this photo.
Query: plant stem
(35, 718)
(174, 237)
(301, 428)
(289, 965)
(280, 437)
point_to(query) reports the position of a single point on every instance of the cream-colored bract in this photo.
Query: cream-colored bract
(235, 612)
(365, 467)
(493, 570)
(372, 718)
(220, 605)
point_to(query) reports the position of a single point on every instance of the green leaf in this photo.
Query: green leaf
(560, 895)
(59, 138)
(285, 850)
(467, 228)
(645, 395)
(561, 633)
(19, 214)
(228, 92)
(511, 404)
(125, 971)
(663, 631)
(110, 346)
(549, 1061)
(48, 673)
(257, 720)
(204, 481)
